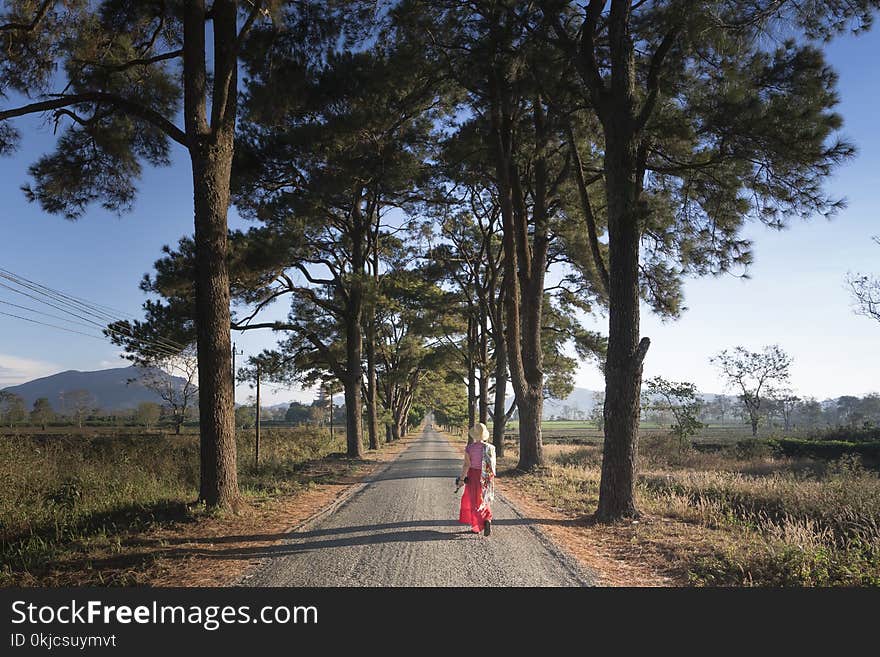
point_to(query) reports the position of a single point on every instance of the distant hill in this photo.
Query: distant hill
(109, 388)
(580, 399)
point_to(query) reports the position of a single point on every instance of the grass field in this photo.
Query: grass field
(67, 496)
(728, 518)
(586, 432)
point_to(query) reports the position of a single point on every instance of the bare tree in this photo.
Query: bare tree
(148, 414)
(163, 375)
(865, 290)
(77, 403)
(754, 373)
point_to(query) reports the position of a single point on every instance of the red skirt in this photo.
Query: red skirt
(470, 502)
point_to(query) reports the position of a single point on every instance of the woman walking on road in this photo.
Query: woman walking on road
(478, 475)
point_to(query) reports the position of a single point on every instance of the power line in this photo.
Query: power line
(159, 346)
(89, 323)
(62, 328)
(54, 296)
(114, 311)
(78, 304)
(40, 312)
(147, 349)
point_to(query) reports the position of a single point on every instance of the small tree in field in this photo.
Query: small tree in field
(785, 402)
(42, 413)
(246, 416)
(12, 409)
(754, 373)
(148, 414)
(681, 400)
(79, 403)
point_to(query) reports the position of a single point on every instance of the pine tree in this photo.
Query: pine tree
(706, 114)
(127, 71)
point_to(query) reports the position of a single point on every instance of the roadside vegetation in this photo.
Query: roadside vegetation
(741, 516)
(67, 497)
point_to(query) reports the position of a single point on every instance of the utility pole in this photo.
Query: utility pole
(233, 372)
(257, 422)
(330, 392)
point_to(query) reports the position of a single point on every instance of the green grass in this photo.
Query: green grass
(63, 494)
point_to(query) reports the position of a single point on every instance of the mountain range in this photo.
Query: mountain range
(115, 389)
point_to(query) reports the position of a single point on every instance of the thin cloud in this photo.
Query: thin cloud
(15, 370)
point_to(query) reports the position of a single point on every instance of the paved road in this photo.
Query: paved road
(402, 529)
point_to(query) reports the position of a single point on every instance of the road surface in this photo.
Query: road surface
(401, 529)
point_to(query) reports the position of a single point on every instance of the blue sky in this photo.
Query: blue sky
(795, 297)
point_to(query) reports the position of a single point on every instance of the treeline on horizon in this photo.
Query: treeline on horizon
(845, 414)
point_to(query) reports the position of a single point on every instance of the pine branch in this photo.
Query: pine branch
(133, 108)
(29, 27)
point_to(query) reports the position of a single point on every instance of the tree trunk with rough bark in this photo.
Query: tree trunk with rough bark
(372, 387)
(353, 421)
(484, 369)
(499, 421)
(211, 168)
(626, 353)
(525, 264)
(353, 379)
(211, 148)
(471, 369)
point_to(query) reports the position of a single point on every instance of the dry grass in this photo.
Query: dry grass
(713, 519)
(99, 510)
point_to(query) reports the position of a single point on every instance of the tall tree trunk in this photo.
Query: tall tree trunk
(530, 411)
(471, 369)
(353, 380)
(499, 417)
(484, 369)
(623, 367)
(524, 267)
(626, 353)
(372, 387)
(372, 377)
(211, 167)
(353, 412)
(529, 381)
(211, 150)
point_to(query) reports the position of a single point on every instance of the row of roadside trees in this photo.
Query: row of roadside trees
(625, 142)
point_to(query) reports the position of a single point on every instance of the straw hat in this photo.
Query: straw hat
(479, 433)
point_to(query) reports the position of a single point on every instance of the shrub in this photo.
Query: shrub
(752, 448)
(825, 449)
(848, 434)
